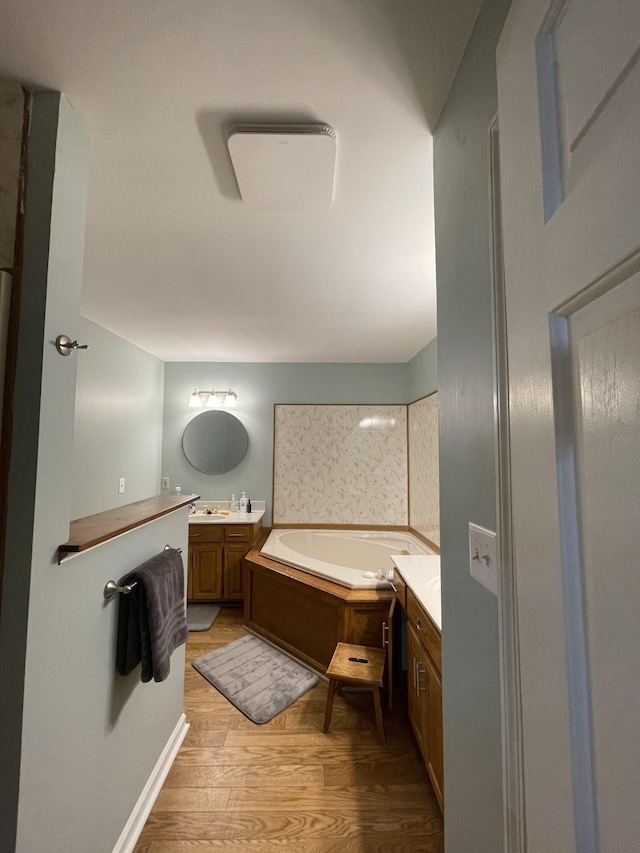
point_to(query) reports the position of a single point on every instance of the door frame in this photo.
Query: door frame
(513, 791)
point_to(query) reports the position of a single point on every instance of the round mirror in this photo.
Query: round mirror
(215, 442)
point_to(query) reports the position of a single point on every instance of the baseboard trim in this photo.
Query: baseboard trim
(147, 798)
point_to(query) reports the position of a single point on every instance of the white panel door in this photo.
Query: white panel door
(569, 110)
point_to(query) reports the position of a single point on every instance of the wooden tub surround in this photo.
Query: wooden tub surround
(307, 615)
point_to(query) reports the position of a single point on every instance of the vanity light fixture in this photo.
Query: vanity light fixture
(196, 401)
(213, 399)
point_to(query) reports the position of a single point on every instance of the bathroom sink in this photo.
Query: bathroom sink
(201, 515)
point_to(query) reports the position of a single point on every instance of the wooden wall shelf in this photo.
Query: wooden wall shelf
(94, 529)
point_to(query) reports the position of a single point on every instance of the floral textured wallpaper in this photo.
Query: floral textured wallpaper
(424, 499)
(340, 465)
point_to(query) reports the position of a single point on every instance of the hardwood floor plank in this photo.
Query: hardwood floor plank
(292, 799)
(418, 796)
(281, 824)
(377, 771)
(326, 754)
(207, 738)
(247, 845)
(244, 776)
(365, 844)
(292, 739)
(196, 799)
(372, 844)
(225, 720)
(312, 719)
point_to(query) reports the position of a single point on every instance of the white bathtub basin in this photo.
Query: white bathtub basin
(347, 557)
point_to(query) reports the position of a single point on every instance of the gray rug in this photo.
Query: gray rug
(200, 617)
(258, 679)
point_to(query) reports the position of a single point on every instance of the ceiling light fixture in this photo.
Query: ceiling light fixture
(213, 399)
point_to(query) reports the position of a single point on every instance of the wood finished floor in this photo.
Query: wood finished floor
(285, 787)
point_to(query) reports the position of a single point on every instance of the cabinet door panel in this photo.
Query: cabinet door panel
(233, 559)
(435, 760)
(417, 697)
(206, 572)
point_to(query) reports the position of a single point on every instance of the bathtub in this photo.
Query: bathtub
(342, 556)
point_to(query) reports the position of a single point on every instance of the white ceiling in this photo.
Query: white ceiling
(174, 261)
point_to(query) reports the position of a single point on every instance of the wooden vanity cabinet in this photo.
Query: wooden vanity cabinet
(216, 557)
(424, 657)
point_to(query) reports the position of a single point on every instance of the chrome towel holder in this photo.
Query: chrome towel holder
(111, 587)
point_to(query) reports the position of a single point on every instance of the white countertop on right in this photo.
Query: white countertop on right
(422, 575)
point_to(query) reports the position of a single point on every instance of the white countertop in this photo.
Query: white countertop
(231, 518)
(422, 575)
(258, 509)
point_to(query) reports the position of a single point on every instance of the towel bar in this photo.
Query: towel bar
(112, 588)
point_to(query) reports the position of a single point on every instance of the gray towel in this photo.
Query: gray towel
(151, 618)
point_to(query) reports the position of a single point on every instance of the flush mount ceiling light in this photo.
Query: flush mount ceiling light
(213, 399)
(284, 167)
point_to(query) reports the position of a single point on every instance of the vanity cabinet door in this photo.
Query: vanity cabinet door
(435, 759)
(417, 689)
(205, 572)
(232, 581)
(425, 709)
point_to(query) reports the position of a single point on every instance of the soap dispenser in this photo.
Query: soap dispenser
(232, 504)
(243, 502)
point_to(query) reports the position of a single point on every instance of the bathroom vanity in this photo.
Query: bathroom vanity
(417, 582)
(217, 548)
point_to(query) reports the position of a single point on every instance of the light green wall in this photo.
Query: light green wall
(422, 372)
(118, 422)
(78, 741)
(259, 386)
(472, 737)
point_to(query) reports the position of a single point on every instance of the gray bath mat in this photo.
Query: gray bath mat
(200, 617)
(258, 679)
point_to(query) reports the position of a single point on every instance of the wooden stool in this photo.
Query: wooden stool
(356, 665)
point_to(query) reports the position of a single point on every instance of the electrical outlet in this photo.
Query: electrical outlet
(165, 482)
(483, 556)
(121, 486)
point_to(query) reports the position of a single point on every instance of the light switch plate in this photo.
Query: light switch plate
(121, 486)
(483, 556)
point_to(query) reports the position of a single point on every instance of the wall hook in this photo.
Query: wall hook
(66, 346)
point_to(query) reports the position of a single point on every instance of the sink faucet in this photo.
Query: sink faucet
(192, 508)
